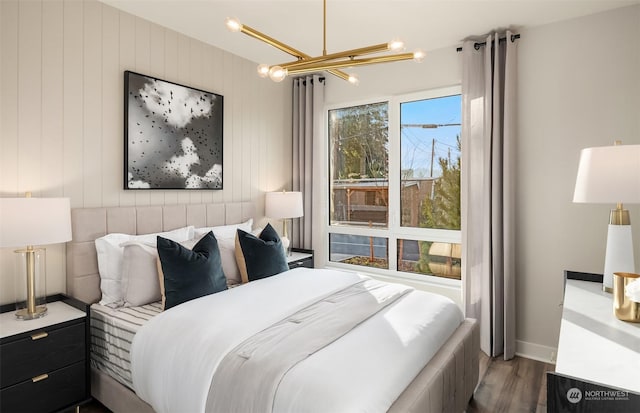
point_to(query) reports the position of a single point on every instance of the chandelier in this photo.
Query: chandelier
(331, 63)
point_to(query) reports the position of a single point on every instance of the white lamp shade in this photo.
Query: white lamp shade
(34, 221)
(609, 174)
(281, 205)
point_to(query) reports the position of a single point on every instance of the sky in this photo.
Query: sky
(416, 142)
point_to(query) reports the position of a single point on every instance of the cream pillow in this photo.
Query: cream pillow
(227, 247)
(140, 273)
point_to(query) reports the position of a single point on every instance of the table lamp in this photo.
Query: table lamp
(611, 174)
(284, 205)
(25, 222)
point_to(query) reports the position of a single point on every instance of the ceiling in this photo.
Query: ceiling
(425, 24)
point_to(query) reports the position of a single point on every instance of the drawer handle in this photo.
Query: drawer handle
(40, 378)
(38, 336)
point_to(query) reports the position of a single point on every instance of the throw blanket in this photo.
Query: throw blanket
(260, 362)
(175, 355)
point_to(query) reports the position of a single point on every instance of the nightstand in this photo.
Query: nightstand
(300, 258)
(44, 362)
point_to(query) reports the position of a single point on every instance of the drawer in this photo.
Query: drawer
(26, 358)
(57, 391)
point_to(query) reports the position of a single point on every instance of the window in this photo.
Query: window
(359, 160)
(394, 185)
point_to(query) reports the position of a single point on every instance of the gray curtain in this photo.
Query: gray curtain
(488, 189)
(308, 101)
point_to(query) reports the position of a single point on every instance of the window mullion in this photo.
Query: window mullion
(394, 181)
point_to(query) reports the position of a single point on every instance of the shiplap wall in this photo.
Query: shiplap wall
(61, 108)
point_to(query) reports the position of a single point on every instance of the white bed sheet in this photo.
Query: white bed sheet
(174, 356)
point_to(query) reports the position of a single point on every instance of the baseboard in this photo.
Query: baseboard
(536, 352)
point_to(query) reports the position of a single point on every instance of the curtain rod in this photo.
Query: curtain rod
(476, 46)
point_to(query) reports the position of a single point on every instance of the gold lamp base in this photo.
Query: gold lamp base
(25, 314)
(623, 307)
(30, 267)
(619, 216)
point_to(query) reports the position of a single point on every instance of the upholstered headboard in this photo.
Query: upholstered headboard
(88, 224)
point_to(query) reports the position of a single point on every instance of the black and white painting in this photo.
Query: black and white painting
(173, 135)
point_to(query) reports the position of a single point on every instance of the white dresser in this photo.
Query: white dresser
(598, 361)
(594, 344)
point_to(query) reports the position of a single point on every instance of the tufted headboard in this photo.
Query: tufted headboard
(88, 224)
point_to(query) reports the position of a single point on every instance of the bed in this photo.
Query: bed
(445, 384)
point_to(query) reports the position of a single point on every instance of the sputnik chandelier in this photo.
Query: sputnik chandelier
(332, 62)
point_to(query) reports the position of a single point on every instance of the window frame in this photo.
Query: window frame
(394, 230)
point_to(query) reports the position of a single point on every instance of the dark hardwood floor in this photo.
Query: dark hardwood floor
(514, 386)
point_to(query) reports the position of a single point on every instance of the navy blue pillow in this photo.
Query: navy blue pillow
(190, 274)
(260, 257)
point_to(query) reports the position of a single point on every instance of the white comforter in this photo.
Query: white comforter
(174, 356)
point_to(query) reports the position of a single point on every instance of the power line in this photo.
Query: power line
(428, 125)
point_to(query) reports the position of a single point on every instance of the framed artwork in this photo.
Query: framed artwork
(173, 135)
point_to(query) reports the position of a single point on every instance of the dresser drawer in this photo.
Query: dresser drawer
(32, 356)
(47, 394)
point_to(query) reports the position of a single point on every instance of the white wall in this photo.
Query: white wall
(61, 108)
(579, 86)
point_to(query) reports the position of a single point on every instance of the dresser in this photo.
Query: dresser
(598, 360)
(44, 362)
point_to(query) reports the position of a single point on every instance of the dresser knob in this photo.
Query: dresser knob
(40, 378)
(38, 336)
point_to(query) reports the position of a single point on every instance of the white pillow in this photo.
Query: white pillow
(110, 257)
(224, 231)
(140, 281)
(226, 237)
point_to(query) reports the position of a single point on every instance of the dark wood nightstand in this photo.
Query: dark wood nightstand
(300, 258)
(44, 364)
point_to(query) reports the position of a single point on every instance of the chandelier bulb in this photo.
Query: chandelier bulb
(277, 73)
(263, 70)
(233, 24)
(353, 79)
(419, 55)
(395, 45)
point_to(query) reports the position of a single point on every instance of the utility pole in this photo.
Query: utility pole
(433, 152)
(433, 141)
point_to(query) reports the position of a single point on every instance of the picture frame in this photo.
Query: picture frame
(172, 135)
